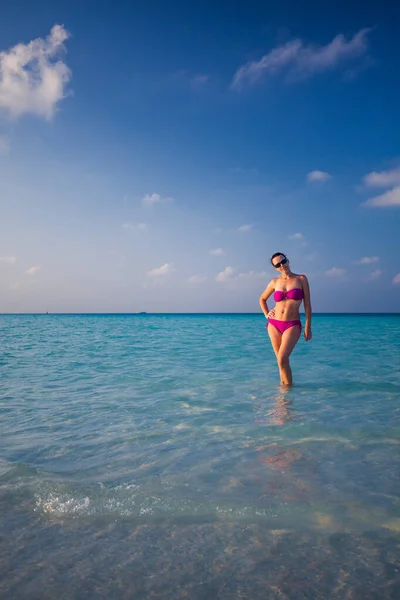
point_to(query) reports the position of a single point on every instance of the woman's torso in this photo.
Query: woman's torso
(287, 307)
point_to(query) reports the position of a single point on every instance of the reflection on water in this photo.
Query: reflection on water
(283, 483)
(280, 484)
(277, 410)
(197, 478)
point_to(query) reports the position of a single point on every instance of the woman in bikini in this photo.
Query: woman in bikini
(284, 325)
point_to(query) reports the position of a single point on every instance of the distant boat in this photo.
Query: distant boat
(142, 313)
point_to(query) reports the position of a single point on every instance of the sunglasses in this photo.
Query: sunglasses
(279, 264)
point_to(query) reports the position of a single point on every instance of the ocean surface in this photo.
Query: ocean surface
(155, 456)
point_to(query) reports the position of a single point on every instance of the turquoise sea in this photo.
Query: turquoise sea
(155, 456)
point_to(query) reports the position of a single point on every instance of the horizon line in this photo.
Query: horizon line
(144, 313)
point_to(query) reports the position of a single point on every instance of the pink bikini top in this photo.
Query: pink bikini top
(294, 294)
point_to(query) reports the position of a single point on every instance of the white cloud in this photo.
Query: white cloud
(196, 81)
(217, 252)
(153, 199)
(228, 275)
(135, 226)
(33, 270)
(253, 275)
(302, 61)
(161, 271)
(383, 178)
(390, 198)
(244, 228)
(225, 275)
(272, 62)
(10, 260)
(300, 238)
(14, 285)
(368, 260)
(335, 272)
(374, 275)
(318, 176)
(396, 279)
(32, 80)
(197, 279)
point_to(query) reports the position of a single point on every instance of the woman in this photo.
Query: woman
(284, 325)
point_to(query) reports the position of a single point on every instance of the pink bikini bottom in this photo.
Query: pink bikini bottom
(283, 325)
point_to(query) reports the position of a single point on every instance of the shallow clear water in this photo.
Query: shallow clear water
(155, 456)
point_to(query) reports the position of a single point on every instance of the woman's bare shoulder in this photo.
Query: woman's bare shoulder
(304, 282)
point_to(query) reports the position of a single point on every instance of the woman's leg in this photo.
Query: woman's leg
(290, 337)
(276, 338)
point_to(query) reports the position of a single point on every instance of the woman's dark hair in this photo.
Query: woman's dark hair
(277, 254)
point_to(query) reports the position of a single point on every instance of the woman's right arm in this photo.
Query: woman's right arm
(269, 290)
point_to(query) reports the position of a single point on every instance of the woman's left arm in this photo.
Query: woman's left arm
(307, 307)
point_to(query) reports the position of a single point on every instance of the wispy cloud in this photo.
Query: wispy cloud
(10, 260)
(335, 272)
(197, 279)
(229, 275)
(253, 275)
(389, 198)
(134, 226)
(245, 228)
(225, 275)
(196, 81)
(396, 279)
(14, 285)
(382, 178)
(32, 79)
(150, 200)
(368, 260)
(321, 176)
(301, 61)
(33, 270)
(374, 275)
(217, 252)
(161, 271)
(300, 238)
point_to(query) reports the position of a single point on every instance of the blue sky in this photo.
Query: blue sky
(154, 155)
